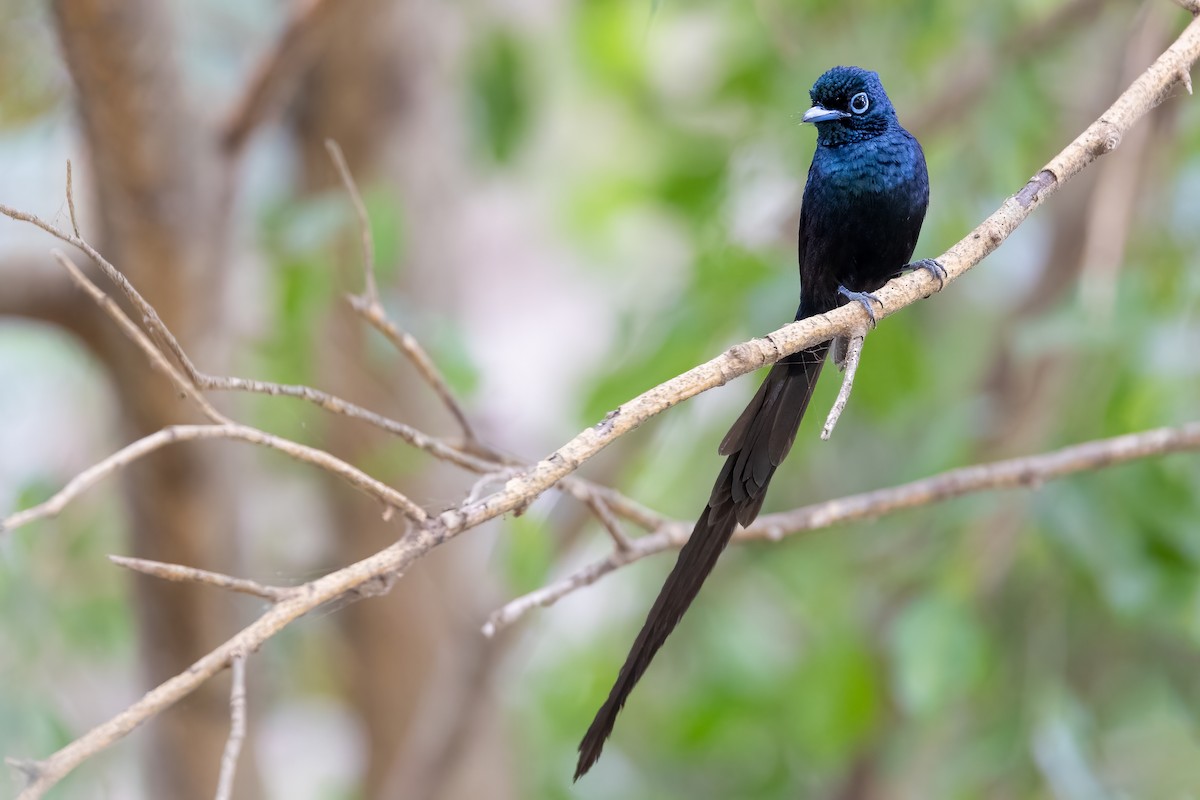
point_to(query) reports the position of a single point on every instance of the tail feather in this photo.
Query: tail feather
(755, 445)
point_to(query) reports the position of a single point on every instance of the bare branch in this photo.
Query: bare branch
(370, 290)
(49, 771)
(1027, 472)
(277, 72)
(149, 316)
(336, 405)
(178, 573)
(203, 381)
(1150, 89)
(237, 729)
(127, 326)
(406, 343)
(368, 305)
(232, 431)
(848, 361)
(609, 522)
(71, 200)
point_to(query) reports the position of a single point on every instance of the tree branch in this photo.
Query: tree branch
(167, 341)
(1102, 136)
(139, 337)
(368, 305)
(237, 729)
(178, 573)
(1028, 472)
(85, 480)
(848, 361)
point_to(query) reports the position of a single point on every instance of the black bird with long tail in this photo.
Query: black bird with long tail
(863, 206)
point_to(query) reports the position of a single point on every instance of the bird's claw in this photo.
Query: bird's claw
(933, 266)
(864, 298)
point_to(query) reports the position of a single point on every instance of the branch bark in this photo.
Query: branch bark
(182, 574)
(1029, 472)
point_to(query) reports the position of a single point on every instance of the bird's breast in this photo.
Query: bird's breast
(868, 168)
(862, 211)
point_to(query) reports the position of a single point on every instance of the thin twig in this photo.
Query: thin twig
(204, 381)
(237, 729)
(1026, 472)
(149, 315)
(163, 336)
(373, 313)
(336, 405)
(139, 337)
(370, 308)
(849, 363)
(231, 431)
(71, 200)
(396, 558)
(609, 522)
(178, 573)
(370, 288)
(625, 507)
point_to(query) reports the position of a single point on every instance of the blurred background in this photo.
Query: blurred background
(572, 201)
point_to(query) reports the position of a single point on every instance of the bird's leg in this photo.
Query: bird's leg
(864, 298)
(934, 267)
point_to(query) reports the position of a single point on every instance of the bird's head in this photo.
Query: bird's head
(849, 105)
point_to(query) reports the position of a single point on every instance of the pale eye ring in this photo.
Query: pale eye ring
(860, 103)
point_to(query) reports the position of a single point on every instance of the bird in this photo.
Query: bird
(863, 206)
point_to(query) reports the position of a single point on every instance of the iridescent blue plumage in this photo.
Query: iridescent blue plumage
(866, 194)
(863, 207)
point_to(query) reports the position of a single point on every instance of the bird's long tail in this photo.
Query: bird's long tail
(755, 445)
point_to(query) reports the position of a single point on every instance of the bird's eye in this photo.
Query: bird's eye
(860, 103)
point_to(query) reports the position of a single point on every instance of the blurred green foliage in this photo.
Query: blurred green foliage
(500, 95)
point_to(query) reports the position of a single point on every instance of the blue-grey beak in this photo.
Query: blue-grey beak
(822, 114)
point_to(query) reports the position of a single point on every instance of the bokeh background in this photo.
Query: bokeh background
(573, 200)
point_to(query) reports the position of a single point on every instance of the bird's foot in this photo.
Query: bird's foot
(865, 298)
(934, 267)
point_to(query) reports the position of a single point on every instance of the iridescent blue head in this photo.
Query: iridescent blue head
(849, 105)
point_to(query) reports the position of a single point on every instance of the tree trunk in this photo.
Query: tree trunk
(159, 195)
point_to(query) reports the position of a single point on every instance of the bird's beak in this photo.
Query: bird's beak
(822, 114)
